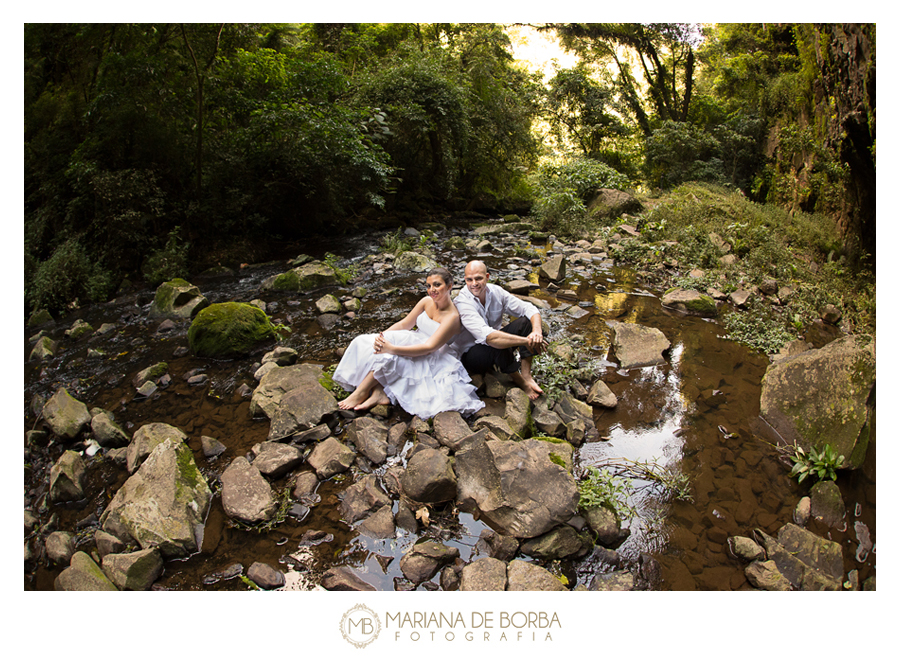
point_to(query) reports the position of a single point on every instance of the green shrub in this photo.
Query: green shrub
(169, 262)
(68, 276)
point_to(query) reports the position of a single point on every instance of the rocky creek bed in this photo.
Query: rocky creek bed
(149, 467)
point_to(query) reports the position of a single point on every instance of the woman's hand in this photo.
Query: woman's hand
(382, 345)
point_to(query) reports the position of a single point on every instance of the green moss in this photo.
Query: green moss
(287, 281)
(228, 329)
(549, 439)
(705, 305)
(559, 461)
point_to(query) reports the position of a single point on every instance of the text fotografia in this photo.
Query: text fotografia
(479, 626)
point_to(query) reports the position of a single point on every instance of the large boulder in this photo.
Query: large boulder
(515, 486)
(691, 302)
(554, 268)
(821, 396)
(301, 409)
(410, 261)
(83, 575)
(274, 460)
(637, 346)
(246, 496)
(177, 299)
(608, 203)
(65, 415)
(107, 433)
(146, 438)
(429, 477)
(163, 504)
(279, 381)
(309, 276)
(67, 478)
(228, 329)
(133, 571)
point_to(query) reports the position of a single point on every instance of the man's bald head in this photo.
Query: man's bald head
(477, 279)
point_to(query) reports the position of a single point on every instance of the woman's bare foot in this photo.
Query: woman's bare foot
(378, 397)
(357, 397)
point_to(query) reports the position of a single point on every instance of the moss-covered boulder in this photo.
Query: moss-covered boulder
(228, 329)
(177, 299)
(692, 302)
(410, 261)
(39, 317)
(308, 276)
(821, 397)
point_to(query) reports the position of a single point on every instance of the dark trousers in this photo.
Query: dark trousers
(480, 359)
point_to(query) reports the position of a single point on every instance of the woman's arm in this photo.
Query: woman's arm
(447, 330)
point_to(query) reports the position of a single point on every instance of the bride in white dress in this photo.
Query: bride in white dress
(417, 369)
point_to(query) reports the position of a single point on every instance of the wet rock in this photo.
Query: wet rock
(67, 478)
(265, 368)
(691, 302)
(83, 575)
(150, 374)
(802, 511)
(279, 381)
(107, 543)
(344, 579)
(177, 299)
(746, 549)
(572, 410)
(515, 486)
(362, 498)
(107, 433)
(617, 581)
(425, 559)
(429, 477)
(496, 545)
(211, 447)
(314, 434)
(497, 426)
(808, 562)
(819, 334)
(44, 349)
(554, 268)
(265, 576)
(638, 346)
(379, 525)
(133, 571)
(545, 420)
(821, 396)
(281, 356)
(163, 504)
(450, 429)
(311, 275)
(328, 304)
(558, 544)
(528, 577)
(78, 329)
(31, 521)
(483, 575)
(276, 459)
(331, 457)
(826, 503)
(410, 261)
(601, 395)
(65, 416)
(606, 526)
(60, 547)
(765, 575)
(518, 411)
(370, 438)
(301, 409)
(306, 485)
(246, 495)
(146, 438)
(396, 438)
(39, 317)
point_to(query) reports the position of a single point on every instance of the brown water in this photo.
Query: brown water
(737, 481)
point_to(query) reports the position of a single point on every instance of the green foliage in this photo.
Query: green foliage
(169, 262)
(327, 381)
(555, 373)
(601, 488)
(68, 276)
(395, 243)
(758, 327)
(821, 464)
(343, 275)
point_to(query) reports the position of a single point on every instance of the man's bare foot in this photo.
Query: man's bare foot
(378, 397)
(527, 384)
(357, 397)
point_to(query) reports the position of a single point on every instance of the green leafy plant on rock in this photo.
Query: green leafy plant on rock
(601, 488)
(343, 274)
(821, 464)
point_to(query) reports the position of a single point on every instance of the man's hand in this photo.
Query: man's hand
(536, 342)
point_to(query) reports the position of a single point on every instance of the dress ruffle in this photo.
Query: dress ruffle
(423, 385)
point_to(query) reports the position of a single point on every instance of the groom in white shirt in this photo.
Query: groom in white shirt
(483, 344)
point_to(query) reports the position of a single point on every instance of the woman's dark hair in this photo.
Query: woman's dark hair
(444, 273)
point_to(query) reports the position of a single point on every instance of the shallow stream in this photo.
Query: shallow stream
(738, 482)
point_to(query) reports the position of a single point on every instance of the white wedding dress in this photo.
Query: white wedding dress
(423, 385)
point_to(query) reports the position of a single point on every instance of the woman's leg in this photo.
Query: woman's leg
(361, 394)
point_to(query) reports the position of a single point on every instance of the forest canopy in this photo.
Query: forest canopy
(154, 148)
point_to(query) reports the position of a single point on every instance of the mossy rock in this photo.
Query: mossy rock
(39, 317)
(228, 329)
(177, 299)
(692, 302)
(308, 276)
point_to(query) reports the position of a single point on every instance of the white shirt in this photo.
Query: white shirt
(480, 320)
